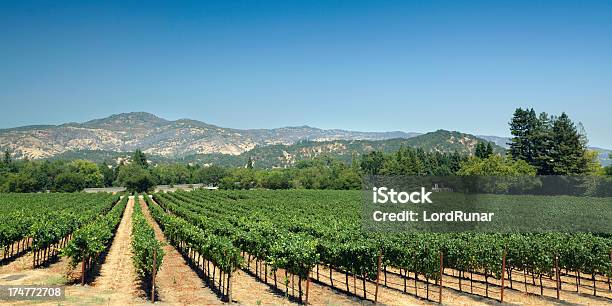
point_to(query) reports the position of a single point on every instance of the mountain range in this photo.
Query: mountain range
(154, 135)
(195, 141)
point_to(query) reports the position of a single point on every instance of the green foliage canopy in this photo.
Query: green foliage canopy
(495, 165)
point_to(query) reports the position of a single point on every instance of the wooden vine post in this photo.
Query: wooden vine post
(441, 274)
(609, 285)
(557, 275)
(594, 285)
(229, 287)
(153, 276)
(307, 287)
(377, 276)
(503, 276)
(83, 271)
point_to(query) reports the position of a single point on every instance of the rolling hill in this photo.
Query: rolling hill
(285, 155)
(157, 136)
(280, 155)
(113, 137)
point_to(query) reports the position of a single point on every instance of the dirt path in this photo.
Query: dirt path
(177, 283)
(319, 294)
(117, 276)
(20, 272)
(18, 264)
(248, 290)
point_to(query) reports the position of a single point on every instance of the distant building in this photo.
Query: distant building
(438, 188)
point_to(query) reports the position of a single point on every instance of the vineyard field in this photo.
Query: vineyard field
(45, 222)
(281, 247)
(302, 232)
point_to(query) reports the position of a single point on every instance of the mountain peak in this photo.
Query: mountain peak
(132, 116)
(133, 120)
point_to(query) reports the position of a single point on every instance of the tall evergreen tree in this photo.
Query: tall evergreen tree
(422, 162)
(483, 150)
(541, 141)
(531, 139)
(479, 151)
(489, 149)
(568, 148)
(7, 160)
(8, 164)
(522, 129)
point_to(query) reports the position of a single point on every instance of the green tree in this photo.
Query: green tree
(139, 158)
(593, 166)
(411, 161)
(170, 174)
(21, 182)
(479, 151)
(239, 178)
(495, 165)
(541, 141)
(489, 149)
(108, 174)
(373, 162)
(91, 174)
(40, 173)
(211, 175)
(7, 160)
(274, 179)
(135, 178)
(531, 139)
(348, 179)
(69, 182)
(522, 129)
(568, 149)
(553, 145)
(7, 165)
(483, 150)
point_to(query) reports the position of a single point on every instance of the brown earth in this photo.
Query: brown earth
(393, 292)
(177, 283)
(117, 277)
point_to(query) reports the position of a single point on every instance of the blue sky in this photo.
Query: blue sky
(362, 65)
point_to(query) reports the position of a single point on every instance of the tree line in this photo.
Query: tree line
(540, 145)
(324, 172)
